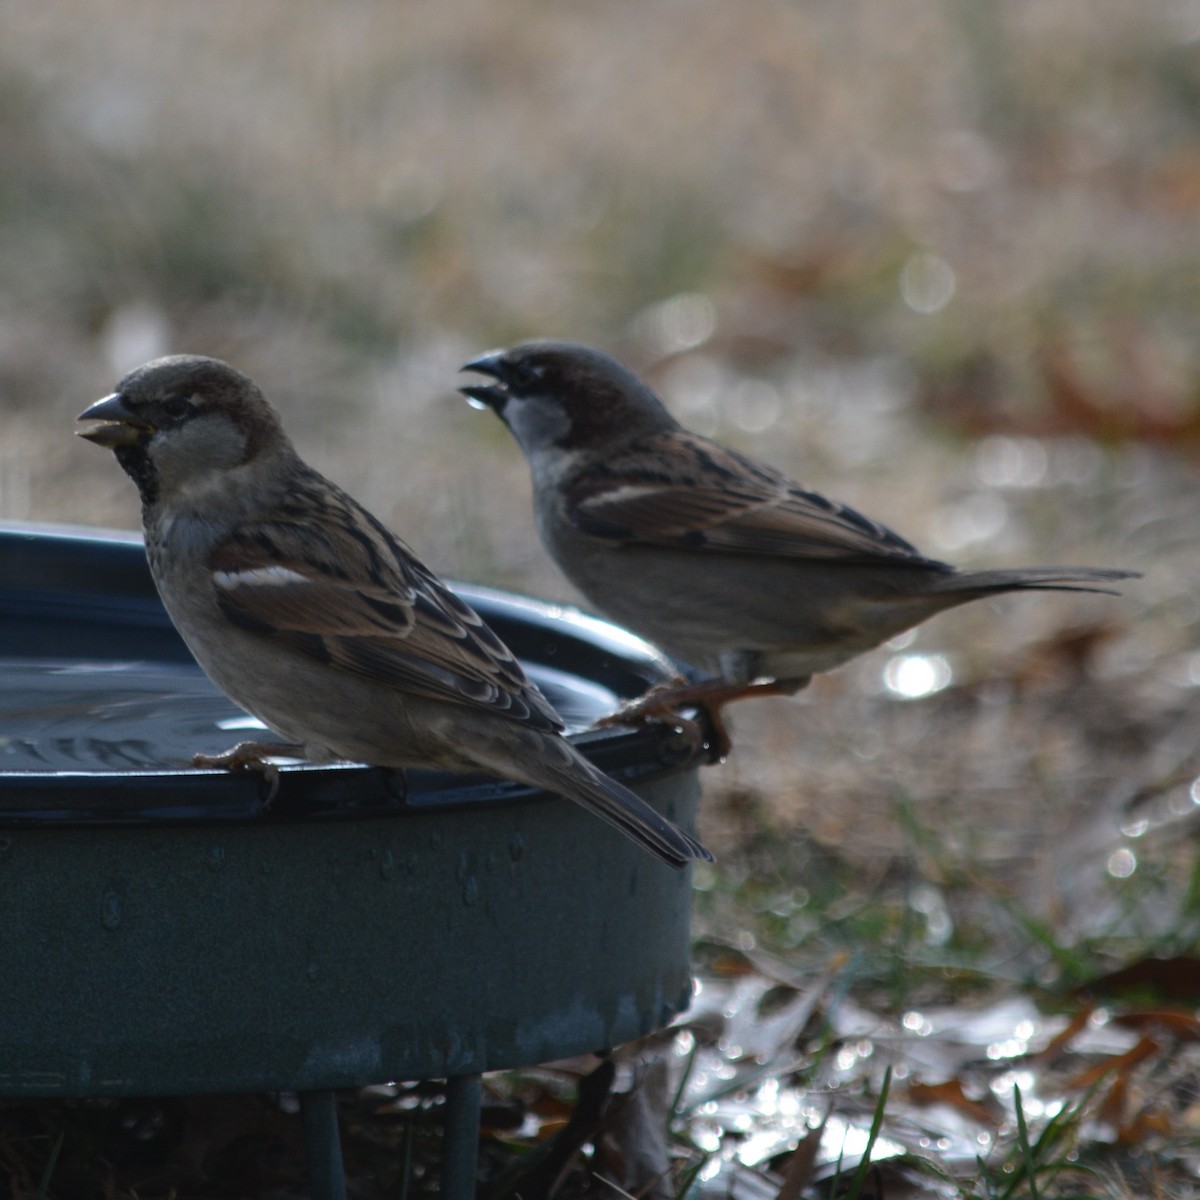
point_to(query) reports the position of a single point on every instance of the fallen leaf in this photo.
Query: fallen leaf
(951, 1093)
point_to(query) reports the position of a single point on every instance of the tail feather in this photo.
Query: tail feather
(578, 780)
(1018, 579)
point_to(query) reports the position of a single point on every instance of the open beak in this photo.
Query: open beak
(495, 395)
(116, 424)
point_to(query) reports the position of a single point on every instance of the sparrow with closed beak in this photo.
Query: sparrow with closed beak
(718, 559)
(308, 613)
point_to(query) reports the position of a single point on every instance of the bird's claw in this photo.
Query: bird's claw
(661, 705)
(252, 756)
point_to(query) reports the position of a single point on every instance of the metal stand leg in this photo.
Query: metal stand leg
(460, 1141)
(322, 1146)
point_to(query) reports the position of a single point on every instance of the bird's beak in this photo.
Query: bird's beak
(494, 396)
(116, 424)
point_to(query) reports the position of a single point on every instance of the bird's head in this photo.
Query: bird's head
(178, 423)
(566, 396)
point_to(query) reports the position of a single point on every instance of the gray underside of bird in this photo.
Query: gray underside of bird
(745, 616)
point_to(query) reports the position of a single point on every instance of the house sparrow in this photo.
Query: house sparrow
(720, 560)
(308, 613)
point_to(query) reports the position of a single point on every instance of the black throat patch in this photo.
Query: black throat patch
(135, 462)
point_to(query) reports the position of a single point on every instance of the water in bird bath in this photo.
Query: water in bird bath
(121, 716)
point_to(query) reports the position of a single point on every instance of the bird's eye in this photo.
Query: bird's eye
(176, 406)
(526, 374)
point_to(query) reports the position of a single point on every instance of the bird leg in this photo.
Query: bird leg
(252, 756)
(663, 702)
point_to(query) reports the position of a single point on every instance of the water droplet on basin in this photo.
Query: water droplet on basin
(110, 910)
(387, 865)
(470, 890)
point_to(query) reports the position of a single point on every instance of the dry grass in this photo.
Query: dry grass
(939, 261)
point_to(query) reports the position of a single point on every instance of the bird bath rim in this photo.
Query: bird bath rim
(562, 642)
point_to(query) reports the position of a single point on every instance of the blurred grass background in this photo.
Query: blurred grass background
(941, 261)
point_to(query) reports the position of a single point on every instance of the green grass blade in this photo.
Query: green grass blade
(1024, 1146)
(860, 1175)
(44, 1186)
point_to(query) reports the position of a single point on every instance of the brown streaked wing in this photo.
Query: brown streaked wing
(713, 498)
(332, 583)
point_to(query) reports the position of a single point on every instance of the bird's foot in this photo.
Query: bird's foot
(661, 705)
(654, 707)
(252, 756)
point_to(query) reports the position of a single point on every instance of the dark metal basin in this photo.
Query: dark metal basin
(161, 932)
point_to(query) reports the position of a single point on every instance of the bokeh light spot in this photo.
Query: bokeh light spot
(911, 676)
(1122, 863)
(927, 283)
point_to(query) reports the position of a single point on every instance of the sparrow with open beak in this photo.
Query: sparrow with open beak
(720, 560)
(308, 613)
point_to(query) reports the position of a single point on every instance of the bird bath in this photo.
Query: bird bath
(165, 931)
